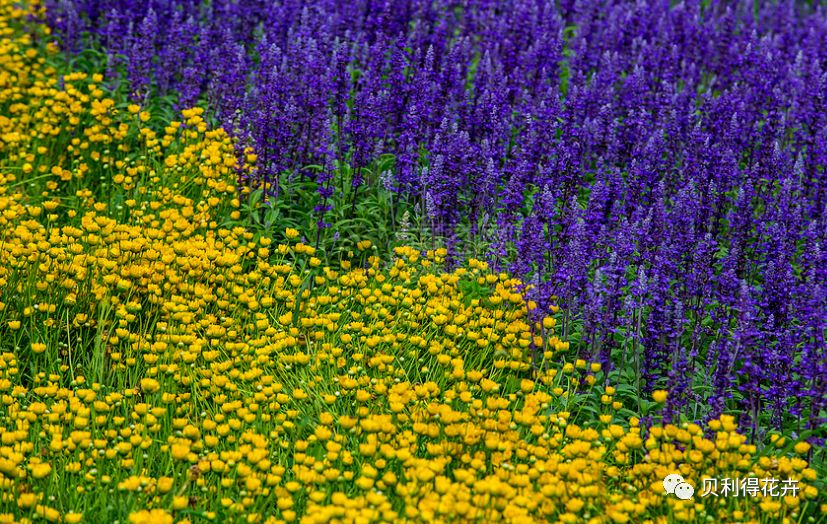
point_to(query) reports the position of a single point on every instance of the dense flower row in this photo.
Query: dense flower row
(156, 367)
(659, 166)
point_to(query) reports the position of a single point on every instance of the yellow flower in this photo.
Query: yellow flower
(180, 451)
(40, 471)
(660, 396)
(38, 347)
(801, 448)
(165, 484)
(323, 433)
(488, 385)
(364, 483)
(155, 516)
(26, 500)
(149, 385)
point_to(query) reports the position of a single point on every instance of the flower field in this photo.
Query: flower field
(314, 262)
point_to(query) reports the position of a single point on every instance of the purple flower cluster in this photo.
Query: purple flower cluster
(659, 166)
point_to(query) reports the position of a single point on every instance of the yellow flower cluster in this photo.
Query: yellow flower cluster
(157, 367)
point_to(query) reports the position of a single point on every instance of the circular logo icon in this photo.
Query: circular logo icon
(671, 481)
(684, 491)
